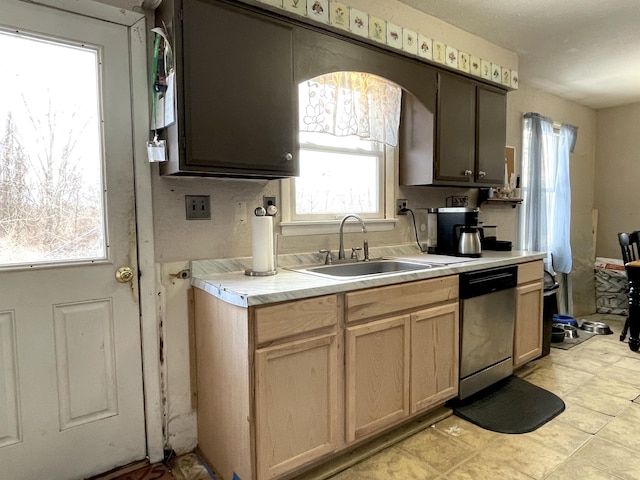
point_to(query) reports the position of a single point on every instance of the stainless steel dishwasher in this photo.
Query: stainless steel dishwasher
(487, 317)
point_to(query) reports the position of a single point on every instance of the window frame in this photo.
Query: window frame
(290, 226)
(549, 190)
(99, 174)
(376, 151)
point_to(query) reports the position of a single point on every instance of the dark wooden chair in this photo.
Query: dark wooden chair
(629, 243)
(633, 320)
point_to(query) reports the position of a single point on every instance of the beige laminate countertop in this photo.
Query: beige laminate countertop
(218, 277)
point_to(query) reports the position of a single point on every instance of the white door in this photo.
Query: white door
(71, 401)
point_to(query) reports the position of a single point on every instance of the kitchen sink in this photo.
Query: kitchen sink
(363, 269)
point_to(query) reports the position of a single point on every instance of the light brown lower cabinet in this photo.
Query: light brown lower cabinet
(268, 384)
(377, 375)
(401, 350)
(527, 342)
(399, 366)
(434, 356)
(297, 408)
(282, 386)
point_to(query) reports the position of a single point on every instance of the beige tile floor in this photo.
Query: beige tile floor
(597, 437)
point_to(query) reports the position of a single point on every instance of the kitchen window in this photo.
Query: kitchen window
(338, 175)
(347, 136)
(546, 218)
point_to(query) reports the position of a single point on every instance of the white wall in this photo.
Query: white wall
(618, 167)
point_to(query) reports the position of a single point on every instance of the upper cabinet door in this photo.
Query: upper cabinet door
(456, 121)
(491, 136)
(239, 110)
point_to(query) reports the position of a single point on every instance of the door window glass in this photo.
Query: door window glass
(51, 181)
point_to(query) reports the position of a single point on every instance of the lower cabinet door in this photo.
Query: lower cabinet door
(377, 375)
(297, 407)
(527, 343)
(434, 356)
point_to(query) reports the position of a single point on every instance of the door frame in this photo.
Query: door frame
(149, 325)
(140, 114)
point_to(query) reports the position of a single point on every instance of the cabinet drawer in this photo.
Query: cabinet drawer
(292, 318)
(530, 272)
(396, 298)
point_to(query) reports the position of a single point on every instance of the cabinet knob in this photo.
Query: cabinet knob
(468, 173)
(481, 174)
(288, 157)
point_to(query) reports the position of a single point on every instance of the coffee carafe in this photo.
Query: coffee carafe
(470, 241)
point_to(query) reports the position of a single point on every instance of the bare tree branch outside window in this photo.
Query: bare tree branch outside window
(50, 174)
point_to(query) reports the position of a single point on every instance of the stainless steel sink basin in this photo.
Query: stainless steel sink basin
(362, 269)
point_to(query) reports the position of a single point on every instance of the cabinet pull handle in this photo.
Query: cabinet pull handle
(481, 174)
(468, 173)
(288, 157)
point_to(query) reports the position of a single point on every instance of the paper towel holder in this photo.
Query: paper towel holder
(270, 212)
(253, 273)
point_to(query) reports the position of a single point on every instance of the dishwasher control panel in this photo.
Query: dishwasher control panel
(482, 282)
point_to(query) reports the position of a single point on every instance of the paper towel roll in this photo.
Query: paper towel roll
(262, 243)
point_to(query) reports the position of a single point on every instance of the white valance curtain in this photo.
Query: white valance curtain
(546, 219)
(351, 103)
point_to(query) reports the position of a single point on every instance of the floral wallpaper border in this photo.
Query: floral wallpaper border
(339, 15)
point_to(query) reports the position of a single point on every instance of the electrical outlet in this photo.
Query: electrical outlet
(266, 201)
(400, 204)
(198, 207)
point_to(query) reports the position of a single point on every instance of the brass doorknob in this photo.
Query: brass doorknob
(124, 274)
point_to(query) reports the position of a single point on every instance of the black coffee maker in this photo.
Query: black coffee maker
(451, 220)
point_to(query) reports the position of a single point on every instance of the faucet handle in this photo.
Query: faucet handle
(327, 260)
(354, 252)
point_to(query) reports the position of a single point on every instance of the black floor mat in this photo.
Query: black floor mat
(512, 405)
(568, 343)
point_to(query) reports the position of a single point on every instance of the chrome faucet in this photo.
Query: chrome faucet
(344, 219)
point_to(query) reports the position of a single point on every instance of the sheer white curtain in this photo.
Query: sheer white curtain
(546, 217)
(351, 103)
(537, 150)
(561, 212)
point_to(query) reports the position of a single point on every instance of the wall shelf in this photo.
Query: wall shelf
(508, 201)
(483, 197)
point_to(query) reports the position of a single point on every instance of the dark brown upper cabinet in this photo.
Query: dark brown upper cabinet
(470, 136)
(237, 73)
(456, 135)
(318, 52)
(237, 111)
(491, 136)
